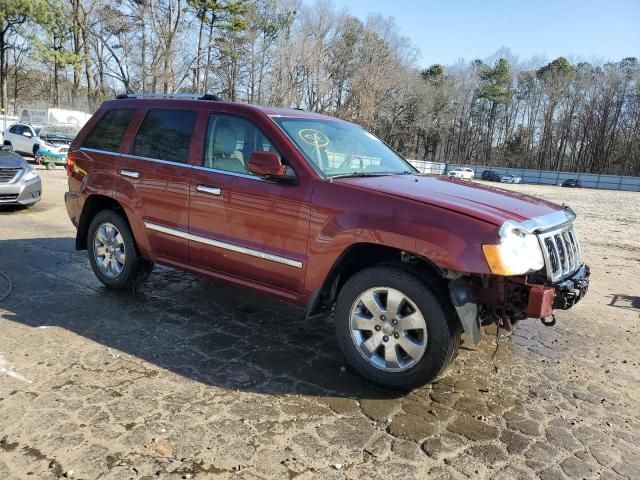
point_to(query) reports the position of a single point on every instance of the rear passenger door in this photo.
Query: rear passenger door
(158, 168)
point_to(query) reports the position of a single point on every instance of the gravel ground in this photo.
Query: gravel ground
(187, 378)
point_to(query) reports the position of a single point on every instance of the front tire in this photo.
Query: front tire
(113, 253)
(394, 329)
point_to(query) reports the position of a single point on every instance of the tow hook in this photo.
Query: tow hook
(549, 321)
(502, 320)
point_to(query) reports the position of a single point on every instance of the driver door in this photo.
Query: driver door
(241, 224)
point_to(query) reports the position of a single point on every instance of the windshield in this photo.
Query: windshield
(342, 149)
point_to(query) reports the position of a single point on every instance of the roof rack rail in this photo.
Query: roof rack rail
(195, 96)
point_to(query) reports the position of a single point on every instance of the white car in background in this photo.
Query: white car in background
(52, 138)
(510, 179)
(22, 138)
(463, 173)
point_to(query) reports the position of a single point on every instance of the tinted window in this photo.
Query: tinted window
(17, 129)
(231, 141)
(165, 135)
(107, 134)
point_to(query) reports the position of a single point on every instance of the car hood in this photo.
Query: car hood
(11, 160)
(491, 204)
(57, 137)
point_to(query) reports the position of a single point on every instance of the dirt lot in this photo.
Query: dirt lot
(192, 379)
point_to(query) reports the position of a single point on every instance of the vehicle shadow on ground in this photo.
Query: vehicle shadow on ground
(628, 302)
(206, 331)
(11, 209)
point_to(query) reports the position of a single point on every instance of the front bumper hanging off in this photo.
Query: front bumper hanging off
(479, 304)
(562, 295)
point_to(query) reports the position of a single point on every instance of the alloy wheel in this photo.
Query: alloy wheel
(388, 329)
(109, 250)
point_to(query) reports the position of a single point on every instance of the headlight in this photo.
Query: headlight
(517, 253)
(30, 173)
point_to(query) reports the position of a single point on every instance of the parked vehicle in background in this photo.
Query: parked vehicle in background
(462, 173)
(22, 137)
(510, 179)
(58, 134)
(319, 212)
(19, 182)
(53, 138)
(572, 183)
(54, 143)
(491, 176)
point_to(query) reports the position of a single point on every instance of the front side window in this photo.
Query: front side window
(342, 149)
(165, 135)
(108, 133)
(231, 141)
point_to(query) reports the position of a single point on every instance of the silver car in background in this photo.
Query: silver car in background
(510, 179)
(20, 183)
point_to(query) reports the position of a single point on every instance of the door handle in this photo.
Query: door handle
(209, 190)
(129, 173)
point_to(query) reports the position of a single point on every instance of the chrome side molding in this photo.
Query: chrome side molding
(224, 245)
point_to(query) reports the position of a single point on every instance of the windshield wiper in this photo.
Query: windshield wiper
(362, 174)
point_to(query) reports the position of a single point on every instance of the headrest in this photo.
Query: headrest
(225, 141)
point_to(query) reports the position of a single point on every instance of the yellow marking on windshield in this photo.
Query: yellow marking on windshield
(314, 137)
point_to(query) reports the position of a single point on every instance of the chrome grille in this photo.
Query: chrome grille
(8, 174)
(8, 197)
(561, 251)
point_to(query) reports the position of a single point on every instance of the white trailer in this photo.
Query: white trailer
(43, 116)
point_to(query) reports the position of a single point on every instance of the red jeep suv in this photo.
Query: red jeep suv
(318, 212)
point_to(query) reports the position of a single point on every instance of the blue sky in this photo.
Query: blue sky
(446, 31)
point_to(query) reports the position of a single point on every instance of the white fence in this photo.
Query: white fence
(541, 177)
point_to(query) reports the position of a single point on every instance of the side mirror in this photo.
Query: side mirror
(268, 164)
(27, 134)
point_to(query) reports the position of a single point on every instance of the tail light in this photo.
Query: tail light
(71, 161)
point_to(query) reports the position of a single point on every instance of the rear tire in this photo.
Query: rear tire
(113, 253)
(416, 328)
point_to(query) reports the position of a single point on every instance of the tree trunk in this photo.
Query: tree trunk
(77, 49)
(196, 73)
(208, 65)
(4, 63)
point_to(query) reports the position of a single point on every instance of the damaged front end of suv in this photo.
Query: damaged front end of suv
(536, 267)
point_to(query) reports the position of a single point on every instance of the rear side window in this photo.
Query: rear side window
(165, 135)
(107, 134)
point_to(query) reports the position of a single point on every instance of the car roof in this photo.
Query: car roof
(246, 108)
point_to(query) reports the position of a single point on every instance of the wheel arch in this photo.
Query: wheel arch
(359, 256)
(92, 205)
